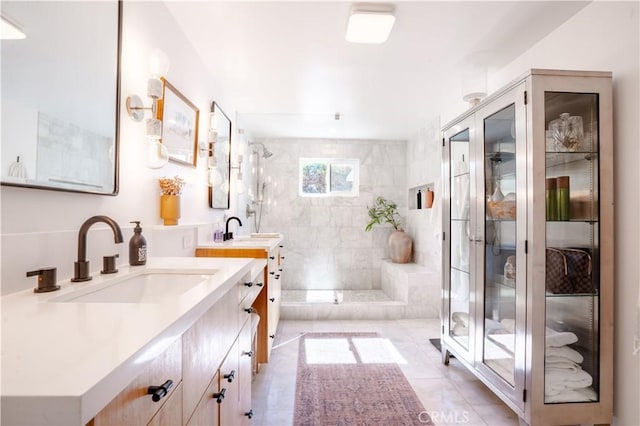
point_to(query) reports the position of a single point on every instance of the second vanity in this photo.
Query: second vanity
(165, 343)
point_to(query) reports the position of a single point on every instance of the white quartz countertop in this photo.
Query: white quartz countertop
(268, 242)
(63, 362)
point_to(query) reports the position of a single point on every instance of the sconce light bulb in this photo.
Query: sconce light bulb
(153, 128)
(158, 63)
(158, 155)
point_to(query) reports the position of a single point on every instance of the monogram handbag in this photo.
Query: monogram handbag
(568, 271)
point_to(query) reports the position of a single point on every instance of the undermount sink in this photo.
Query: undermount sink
(148, 287)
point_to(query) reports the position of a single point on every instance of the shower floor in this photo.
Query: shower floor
(334, 296)
(341, 304)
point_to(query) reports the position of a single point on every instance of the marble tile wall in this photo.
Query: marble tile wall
(424, 162)
(326, 246)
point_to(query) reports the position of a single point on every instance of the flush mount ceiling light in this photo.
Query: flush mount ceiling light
(370, 23)
(9, 30)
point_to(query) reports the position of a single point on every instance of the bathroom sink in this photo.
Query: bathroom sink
(148, 287)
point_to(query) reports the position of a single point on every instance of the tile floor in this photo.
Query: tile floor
(450, 394)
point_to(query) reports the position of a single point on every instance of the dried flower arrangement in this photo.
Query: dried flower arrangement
(171, 186)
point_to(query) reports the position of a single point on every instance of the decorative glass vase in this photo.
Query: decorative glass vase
(400, 246)
(170, 209)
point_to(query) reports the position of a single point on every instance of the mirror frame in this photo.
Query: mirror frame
(116, 142)
(184, 104)
(215, 109)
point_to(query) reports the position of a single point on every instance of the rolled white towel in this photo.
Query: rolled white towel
(576, 395)
(461, 318)
(557, 381)
(565, 352)
(559, 338)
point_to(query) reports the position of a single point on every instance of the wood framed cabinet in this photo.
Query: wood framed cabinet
(528, 245)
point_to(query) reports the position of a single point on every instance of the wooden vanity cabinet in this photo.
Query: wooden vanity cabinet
(267, 304)
(213, 356)
(134, 406)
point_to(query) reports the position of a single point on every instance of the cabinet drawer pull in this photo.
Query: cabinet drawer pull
(247, 353)
(281, 246)
(280, 269)
(230, 376)
(273, 299)
(249, 284)
(281, 257)
(249, 413)
(259, 284)
(272, 257)
(159, 392)
(277, 277)
(220, 395)
(273, 336)
(272, 273)
(248, 310)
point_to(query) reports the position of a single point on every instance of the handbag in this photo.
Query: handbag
(568, 271)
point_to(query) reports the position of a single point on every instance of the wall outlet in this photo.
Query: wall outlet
(187, 241)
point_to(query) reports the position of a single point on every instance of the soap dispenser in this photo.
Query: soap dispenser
(137, 246)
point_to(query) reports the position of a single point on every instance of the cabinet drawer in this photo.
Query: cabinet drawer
(171, 412)
(204, 347)
(207, 411)
(133, 406)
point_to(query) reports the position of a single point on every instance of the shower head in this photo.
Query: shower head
(265, 152)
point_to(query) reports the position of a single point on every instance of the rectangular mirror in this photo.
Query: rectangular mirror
(60, 95)
(179, 118)
(220, 159)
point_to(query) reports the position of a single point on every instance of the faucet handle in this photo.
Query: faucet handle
(47, 278)
(109, 264)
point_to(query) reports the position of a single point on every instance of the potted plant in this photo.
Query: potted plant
(170, 189)
(385, 211)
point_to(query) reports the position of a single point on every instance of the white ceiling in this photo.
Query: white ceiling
(289, 69)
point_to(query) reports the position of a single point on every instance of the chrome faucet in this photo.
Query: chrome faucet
(229, 235)
(81, 267)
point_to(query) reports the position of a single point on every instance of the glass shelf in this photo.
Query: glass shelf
(565, 295)
(555, 159)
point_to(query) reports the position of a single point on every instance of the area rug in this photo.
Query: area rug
(353, 379)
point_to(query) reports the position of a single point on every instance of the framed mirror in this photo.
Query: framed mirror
(60, 95)
(220, 158)
(179, 118)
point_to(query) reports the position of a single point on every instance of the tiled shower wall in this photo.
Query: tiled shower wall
(326, 246)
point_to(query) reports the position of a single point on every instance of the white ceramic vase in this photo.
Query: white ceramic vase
(400, 246)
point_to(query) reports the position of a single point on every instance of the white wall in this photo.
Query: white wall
(605, 37)
(39, 228)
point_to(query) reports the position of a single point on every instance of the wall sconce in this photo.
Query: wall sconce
(158, 67)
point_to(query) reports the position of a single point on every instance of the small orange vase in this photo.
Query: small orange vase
(170, 209)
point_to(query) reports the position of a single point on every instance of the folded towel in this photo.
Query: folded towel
(460, 330)
(559, 338)
(565, 352)
(576, 395)
(557, 381)
(559, 363)
(461, 318)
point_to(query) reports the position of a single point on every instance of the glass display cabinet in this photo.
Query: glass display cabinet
(528, 245)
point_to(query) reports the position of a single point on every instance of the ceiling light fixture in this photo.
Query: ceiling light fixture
(10, 31)
(370, 23)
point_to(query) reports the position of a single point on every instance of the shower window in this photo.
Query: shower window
(329, 177)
